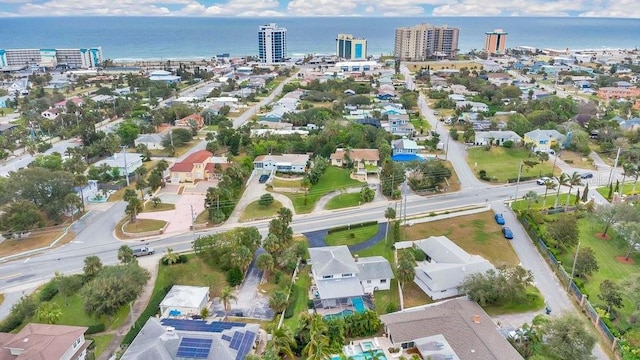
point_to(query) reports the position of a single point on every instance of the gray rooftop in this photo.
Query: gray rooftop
(544, 134)
(374, 267)
(332, 260)
(339, 288)
(185, 296)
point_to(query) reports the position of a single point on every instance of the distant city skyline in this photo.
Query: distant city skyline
(284, 8)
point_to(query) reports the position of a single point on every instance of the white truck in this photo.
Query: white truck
(145, 250)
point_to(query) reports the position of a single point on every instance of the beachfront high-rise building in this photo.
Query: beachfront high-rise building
(85, 58)
(272, 44)
(495, 42)
(426, 41)
(350, 48)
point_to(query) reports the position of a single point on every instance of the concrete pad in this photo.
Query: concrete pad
(179, 219)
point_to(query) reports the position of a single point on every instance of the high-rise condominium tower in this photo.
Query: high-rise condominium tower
(272, 44)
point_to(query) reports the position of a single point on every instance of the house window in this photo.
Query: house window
(77, 342)
(383, 281)
(542, 142)
(347, 275)
(327, 277)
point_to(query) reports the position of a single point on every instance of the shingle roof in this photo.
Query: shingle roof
(339, 288)
(41, 341)
(357, 154)
(544, 134)
(471, 339)
(374, 267)
(404, 144)
(331, 260)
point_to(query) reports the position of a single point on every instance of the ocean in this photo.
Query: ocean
(161, 38)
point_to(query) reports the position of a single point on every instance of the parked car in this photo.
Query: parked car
(508, 234)
(263, 178)
(586, 175)
(499, 219)
(542, 180)
(145, 250)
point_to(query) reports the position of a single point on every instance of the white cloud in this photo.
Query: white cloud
(621, 9)
(244, 8)
(98, 7)
(323, 7)
(512, 8)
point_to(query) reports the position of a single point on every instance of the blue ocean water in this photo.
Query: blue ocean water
(204, 37)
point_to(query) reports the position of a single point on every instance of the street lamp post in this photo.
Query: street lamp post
(518, 182)
(573, 268)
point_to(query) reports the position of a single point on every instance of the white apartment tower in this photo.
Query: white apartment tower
(425, 41)
(272, 44)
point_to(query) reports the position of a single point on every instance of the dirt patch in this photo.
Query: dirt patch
(624, 260)
(36, 241)
(602, 236)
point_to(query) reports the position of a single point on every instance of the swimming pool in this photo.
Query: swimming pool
(367, 346)
(407, 157)
(358, 304)
(343, 313)
(377, 354)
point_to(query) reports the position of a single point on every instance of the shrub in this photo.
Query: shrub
(507, 144)
(151, 310)
(569, 161)
(419, 255)
(48, 291)
(95, 328)
(277, 277)
(310, 304)
(183, 259)
(391, 307)
(293, 297)
(234, 276)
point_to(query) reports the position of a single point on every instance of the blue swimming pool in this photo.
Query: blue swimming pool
(406, 157)
(358, 304)
(377, 354)
(343, 313)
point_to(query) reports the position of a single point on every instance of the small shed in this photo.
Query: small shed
(184, 301)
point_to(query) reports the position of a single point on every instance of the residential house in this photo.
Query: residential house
(457, 97)
(457, 329)
(287, 163)
(164, 76)
(196, 166)
(336, 282)
(4, 101)
(62, 105)
(151, 141)
(499, 78)
(363, 159)
(544, 140)
(393, 110)
(7, 128)
(184, 301)
(473, 106)
(446, 267)
(399, 124)
(496, 137)
(178, 339)
(607, 93)
(191, 121)
(630, 124)
(127, 163)
(51, 113)
(349, 92)
(45, 342)
(404, 146)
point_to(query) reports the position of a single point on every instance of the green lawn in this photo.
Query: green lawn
(605, 252)
(534, 302)
(344, 201)
(100, 343)
(160, 207)
(73, 313)
(280, 183)
(143, 225)
(387, 301)
(351, 236)
(502, 163)
(256, 211)
(302, 285)
(333, 179)
(551, 199)
(625, 189)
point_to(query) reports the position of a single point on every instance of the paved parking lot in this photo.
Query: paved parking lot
(179, 219)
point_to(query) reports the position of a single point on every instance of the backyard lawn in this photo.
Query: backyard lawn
(502, 163)
(333, 179)
(387, 301)
(302, 287)
(351, 236)
(255, 211)
(100, 343)
(343, 201)
(414, 296)
(477, 234)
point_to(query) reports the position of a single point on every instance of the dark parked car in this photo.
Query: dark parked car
(263, 178)
(586, 175)
(499, 219)
(507, 233)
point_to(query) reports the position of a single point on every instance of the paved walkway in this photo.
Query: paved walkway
(316, 238)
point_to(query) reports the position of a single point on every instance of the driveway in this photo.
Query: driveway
(252, 192)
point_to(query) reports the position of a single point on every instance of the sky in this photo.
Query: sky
(277, 8)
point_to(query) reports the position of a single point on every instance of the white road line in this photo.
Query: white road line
(27, 260)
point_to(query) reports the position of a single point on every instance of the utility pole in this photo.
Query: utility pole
(404, 228)
(573, 268)
(517, 183)
(126, 168)
(193, 223)
(446, 151)
(615, 165)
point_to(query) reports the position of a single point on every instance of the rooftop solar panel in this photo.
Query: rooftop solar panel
(236, 340)
(246, 345)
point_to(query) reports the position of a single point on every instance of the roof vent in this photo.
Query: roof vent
(25, 340)
(170, 330)
(355, 257)
(476, 319)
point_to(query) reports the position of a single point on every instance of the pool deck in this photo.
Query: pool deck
(379, 343)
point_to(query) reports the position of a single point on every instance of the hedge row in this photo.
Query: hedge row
(95, 328)
(352, 226)
(151, 310)
(293, 297)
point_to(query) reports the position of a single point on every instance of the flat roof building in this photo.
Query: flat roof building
(350, 48)
(272, 44)
(84, 58)
(426, 41)
(495, 42)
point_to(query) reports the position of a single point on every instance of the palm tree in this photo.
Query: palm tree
(635, 172)
(92, 266)
(170, 257)
(389, 214)
(406, 272)
(80, 181)
(531, 196)
(278, 302)
(563, 179)
(48, 312)
(264, 262)
(549, 184)
(141, 184)
(73, 203)
(282, 342)
(227, 296)
(573, 180)
(125, 254)
(141, 172)
(133, 208)
(318, 346)
(627, 169)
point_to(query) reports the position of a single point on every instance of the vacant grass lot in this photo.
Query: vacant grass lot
(256, 211)
(477, 234)
(73, 313)
(143, 225)
(534, 302)
(343, 201)
(333, 179)
(577, 160)
(35, 241)
(351, 236)
(502, 163)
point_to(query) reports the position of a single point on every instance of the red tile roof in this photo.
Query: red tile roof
(195, 117)
(186, 165)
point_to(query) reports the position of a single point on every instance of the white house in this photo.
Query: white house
(474, 106)
(404, 146)
(127, 163)
(51, 113)
(342, 282)
(498, 137)
(151, 141)
(43, 341)
(184, 301)
(446, 267)
(288, 163)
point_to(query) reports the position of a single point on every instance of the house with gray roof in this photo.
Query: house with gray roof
(497, 137)
(630, 125)
(342, 282)
(446, 266)
(457, 329)
(151, 141)
(174, 339)
(404, 146)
